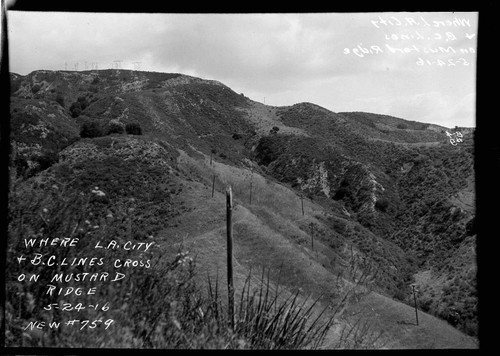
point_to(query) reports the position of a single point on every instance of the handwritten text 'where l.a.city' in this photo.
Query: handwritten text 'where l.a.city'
(449, 42)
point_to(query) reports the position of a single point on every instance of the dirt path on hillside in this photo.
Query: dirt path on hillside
(408, 144)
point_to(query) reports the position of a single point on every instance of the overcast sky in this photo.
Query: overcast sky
(279, 59)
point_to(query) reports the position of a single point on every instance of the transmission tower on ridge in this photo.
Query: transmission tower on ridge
(137, 65)
(117, 63)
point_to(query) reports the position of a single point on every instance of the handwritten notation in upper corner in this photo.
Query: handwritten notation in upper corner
(455, 137)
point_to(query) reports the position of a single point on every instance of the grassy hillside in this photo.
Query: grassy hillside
(338, 208)
(389, 128)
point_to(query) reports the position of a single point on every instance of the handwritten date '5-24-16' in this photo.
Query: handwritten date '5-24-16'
(77, 307)
(441, 63)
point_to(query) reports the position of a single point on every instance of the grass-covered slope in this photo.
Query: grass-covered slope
(389, 128)
(323, 200)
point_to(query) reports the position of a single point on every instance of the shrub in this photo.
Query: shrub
(267, 150)
(402, 126)
(78, 106)
(75, 109)
(47, 159)
(382, 204)
(342, 192)
(339, 226)
(90, 129)
(83, 102)
(274, 130)
(133, 128)
(114, 127)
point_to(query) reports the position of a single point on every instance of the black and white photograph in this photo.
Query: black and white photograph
(241, 181)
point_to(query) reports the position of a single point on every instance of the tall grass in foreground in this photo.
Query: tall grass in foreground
(267, 319)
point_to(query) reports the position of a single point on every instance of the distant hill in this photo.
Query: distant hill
(379, 193)
(389, 128)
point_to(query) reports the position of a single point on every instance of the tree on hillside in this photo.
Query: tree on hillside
(78, 106)
(90, 129)
(114, 127)
(382, 204)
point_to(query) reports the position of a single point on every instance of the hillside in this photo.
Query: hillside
(393, 129)
(350, 208)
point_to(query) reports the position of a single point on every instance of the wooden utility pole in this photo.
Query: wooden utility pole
(415, 300)
(250, 190)
(251, 176)
(213, 186)
(312, 236)
(230, 287)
